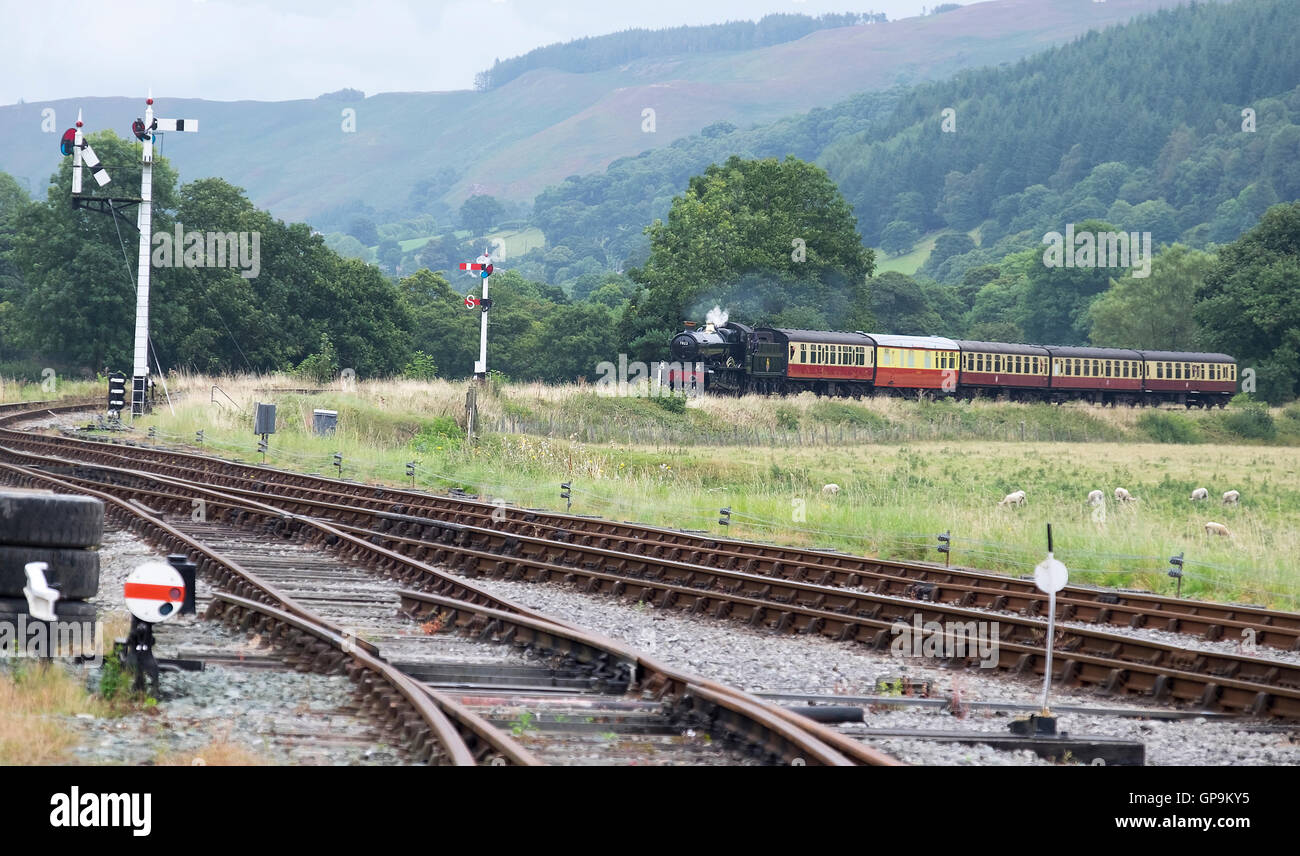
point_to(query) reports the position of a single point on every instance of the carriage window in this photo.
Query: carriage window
(1178, 371)
(792, 353)
(1160, 370)
(803, 353)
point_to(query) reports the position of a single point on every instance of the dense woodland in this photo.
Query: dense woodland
(1138, 129)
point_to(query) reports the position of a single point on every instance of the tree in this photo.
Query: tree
(390, 255)
(899, 237)
(1154, 312)
(783, 219)
(947, 245)
(901, 307)
(79, 301)
(478, 213)
(1058, 297)
(364, 230)
(1249, 303)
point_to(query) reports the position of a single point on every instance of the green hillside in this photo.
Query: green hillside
(296, 159)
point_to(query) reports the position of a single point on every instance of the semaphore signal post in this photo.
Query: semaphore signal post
(144, 130)
(483, 267)
(83, 157)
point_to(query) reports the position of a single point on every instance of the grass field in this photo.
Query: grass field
(908, 263)
(895, 496)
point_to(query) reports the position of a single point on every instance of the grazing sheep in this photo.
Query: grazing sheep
(1217, 529)
(1096, 498)
(830, 490)
(1121, 495)
(1231, 497)
(1017, 498)
(1199, 494)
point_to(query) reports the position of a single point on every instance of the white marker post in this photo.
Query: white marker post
(1050, 576)
(144, 130)
(483, 265)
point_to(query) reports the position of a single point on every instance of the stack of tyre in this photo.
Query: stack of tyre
(63, 532)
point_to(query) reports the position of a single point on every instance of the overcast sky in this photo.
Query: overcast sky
(271, 50)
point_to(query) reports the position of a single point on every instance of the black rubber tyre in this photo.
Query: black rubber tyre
(50, 520)
(73, 610)
(75, 573)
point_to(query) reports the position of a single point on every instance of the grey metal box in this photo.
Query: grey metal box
(324, 421)
(264, 420)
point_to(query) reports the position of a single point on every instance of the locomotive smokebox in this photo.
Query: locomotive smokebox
(684, 347)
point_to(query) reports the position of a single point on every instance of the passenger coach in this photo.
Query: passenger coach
(1099, 375)
(993, 368)
(1194, 380)
(911, 364)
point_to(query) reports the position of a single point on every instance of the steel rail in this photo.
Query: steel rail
(313, 641)
(734, 719)
(1088, 657)
(781, 732)
(967, 587)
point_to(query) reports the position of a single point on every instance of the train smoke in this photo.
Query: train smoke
(717, 316)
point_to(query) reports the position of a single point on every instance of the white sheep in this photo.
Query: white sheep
(1096, 498)
(1212, 528)
(1231, 497)
(1122, 495)
(1199, 494)
(1016, 498)
(830, 490)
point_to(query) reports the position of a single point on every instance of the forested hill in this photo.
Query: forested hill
(601, 52)
(1141, 124)
(402, 155)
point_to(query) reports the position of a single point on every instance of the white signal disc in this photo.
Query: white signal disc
(155, 592)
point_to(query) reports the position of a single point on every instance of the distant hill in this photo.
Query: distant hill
(1141, 125)
(296, 159)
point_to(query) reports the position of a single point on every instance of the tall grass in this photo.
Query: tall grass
(35, 696)
(895, 496)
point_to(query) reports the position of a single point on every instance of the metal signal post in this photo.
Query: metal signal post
(144, 130)
(483, 265)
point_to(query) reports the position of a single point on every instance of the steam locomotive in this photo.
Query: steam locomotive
(733, 358)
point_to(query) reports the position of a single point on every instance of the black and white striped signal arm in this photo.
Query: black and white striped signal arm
(74, 143)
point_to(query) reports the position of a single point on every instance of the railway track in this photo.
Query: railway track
(538, 546)
(262, 592)
(962, 586)
(1114, 664)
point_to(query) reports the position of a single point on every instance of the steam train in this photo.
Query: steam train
(732, 358)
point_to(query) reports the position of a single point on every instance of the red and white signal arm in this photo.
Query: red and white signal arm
(470, 301)
(155, 592)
